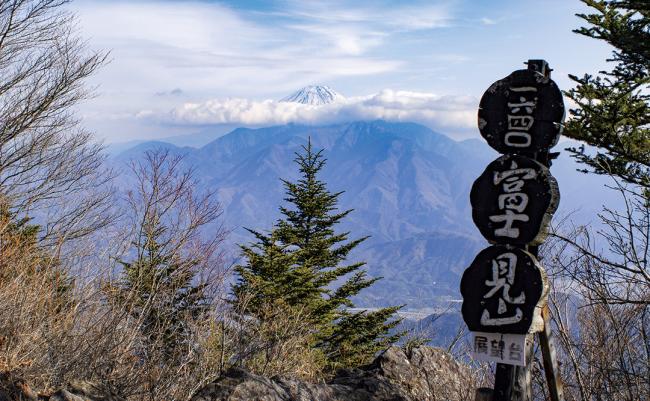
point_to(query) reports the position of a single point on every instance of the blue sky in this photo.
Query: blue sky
(177, 66)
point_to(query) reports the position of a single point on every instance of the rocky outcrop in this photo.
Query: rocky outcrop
(14, 388)
(83, 391)
(423, 374)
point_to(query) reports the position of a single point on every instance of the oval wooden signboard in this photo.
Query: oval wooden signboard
(503, 292)
(513, 201)
(522, 113)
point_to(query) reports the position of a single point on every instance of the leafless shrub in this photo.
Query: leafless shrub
(599, 299)
(55, 326)
(173, 274)
(167, 207)
(54, 329)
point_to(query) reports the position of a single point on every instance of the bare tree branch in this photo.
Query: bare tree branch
(46, 157)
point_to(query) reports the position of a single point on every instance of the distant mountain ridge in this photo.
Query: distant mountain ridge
(408, 186)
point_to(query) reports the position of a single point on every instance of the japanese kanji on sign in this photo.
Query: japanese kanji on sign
(522, 112)
(513, 201)
(503, 291)
(501, 348)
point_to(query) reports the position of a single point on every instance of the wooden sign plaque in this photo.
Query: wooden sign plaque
(513, 201)
(522, 113)
(503, 292)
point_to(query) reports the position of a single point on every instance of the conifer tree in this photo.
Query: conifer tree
(613, 111)
(269, 275)
(171, 261)
(160, 290)
(300, 262)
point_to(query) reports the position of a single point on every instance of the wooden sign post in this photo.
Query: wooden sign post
(505, 288)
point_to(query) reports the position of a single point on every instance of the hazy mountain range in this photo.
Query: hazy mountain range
(409, 187)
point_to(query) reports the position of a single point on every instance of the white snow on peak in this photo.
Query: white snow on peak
(314, 95)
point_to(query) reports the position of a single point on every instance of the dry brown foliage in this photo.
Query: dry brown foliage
(279, 342)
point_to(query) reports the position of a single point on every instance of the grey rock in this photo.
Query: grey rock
(65, 395)
(88, 391)
(14, 388)
(424, 374)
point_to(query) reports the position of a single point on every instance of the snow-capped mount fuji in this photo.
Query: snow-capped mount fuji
(315, 95)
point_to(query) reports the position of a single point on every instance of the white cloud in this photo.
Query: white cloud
(454, 115)
(209, 48)
(399, 17)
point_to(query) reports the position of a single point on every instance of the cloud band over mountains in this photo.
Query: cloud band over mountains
(450, 114)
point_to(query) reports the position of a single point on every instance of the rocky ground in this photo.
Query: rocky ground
(422, 374)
